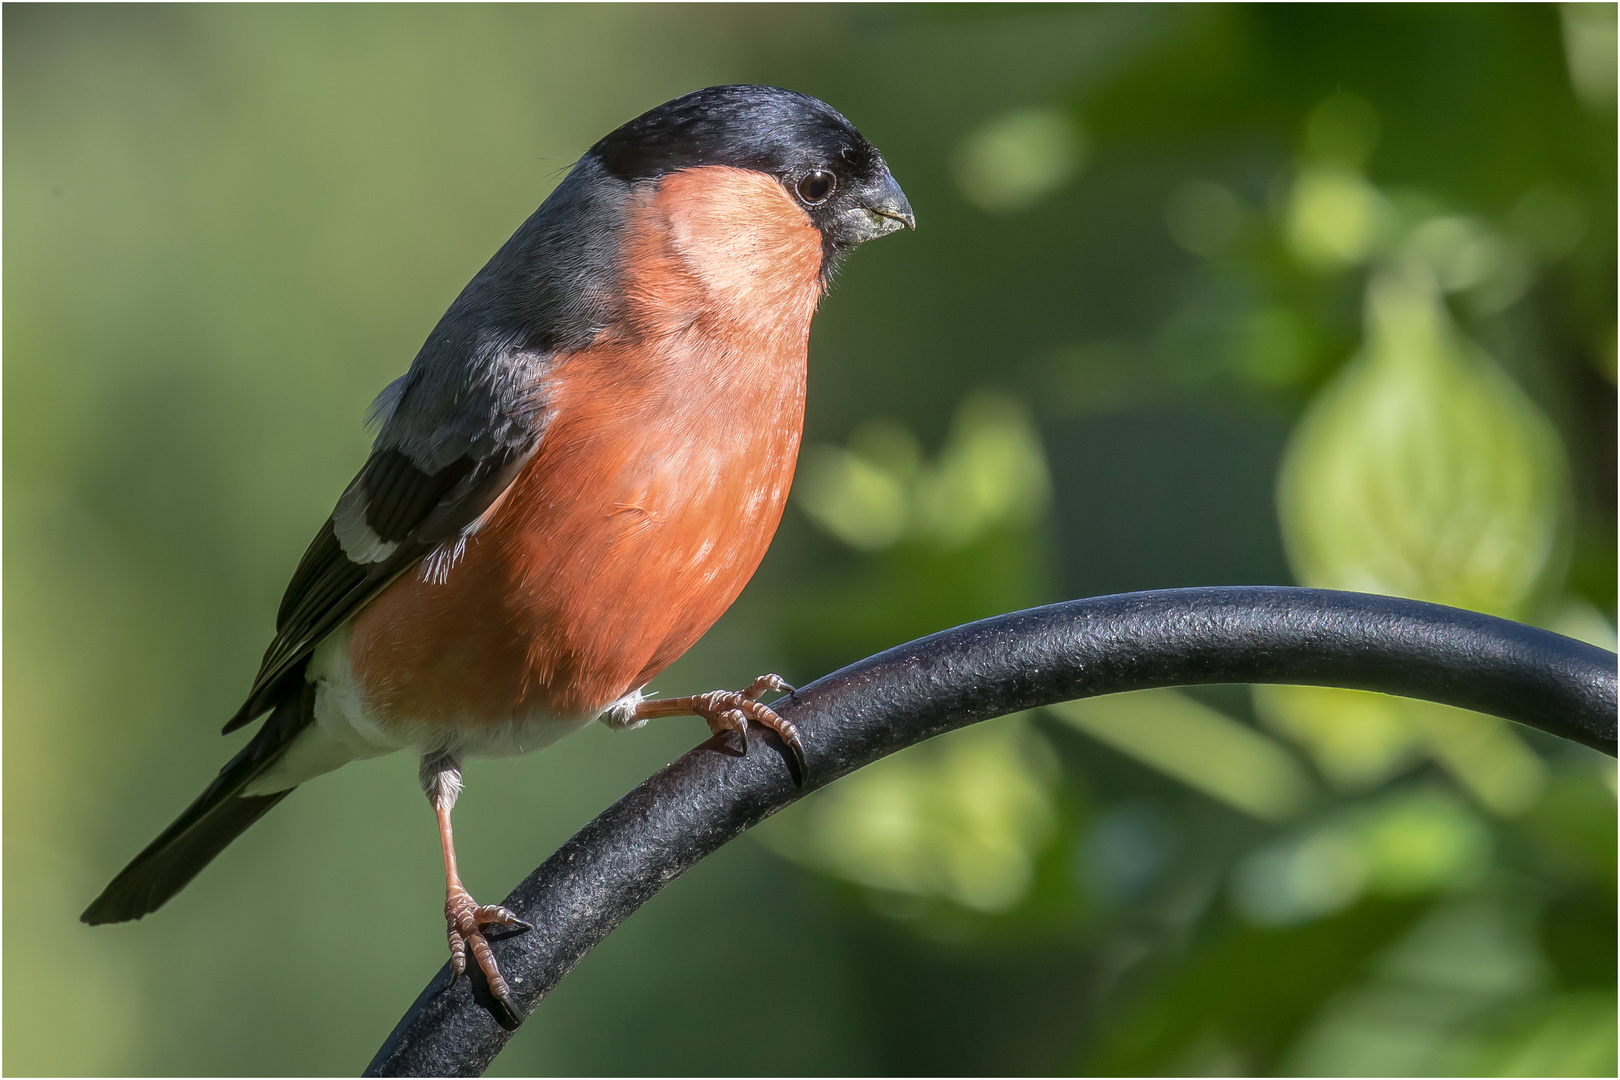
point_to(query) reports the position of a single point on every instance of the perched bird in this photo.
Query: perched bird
(575, 478)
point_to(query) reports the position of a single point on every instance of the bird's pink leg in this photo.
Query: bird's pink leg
(464, 917)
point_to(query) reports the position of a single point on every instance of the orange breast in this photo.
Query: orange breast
(656, 488)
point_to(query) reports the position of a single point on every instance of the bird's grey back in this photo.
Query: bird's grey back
(477, 386)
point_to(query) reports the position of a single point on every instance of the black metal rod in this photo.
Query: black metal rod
(1173, 637)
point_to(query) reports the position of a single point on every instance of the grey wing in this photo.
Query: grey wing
(447, 450)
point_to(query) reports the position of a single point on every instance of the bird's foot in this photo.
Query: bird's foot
(466, 918)
(730, 710)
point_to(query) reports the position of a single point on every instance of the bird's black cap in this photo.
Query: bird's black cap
(749, 127)
(789, 135)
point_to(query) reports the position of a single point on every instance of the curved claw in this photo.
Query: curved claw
(495, 915)
(724, 721)
(803, 763)
(458, 955)
(768, 717)
(466, 919)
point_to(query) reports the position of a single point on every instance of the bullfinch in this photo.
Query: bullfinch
(578, 474)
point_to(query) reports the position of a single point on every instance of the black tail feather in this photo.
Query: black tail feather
(218, 816)
(169, 863)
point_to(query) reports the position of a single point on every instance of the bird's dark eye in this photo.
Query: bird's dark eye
(816, 185)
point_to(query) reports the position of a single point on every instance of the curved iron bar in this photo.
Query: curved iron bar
(1173, 637)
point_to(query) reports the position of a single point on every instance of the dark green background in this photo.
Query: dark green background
(227, 227)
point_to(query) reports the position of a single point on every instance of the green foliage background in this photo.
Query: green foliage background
(1169, 258)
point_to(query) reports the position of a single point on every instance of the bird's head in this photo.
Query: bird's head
(825, 166)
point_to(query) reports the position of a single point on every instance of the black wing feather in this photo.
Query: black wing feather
(404, 505)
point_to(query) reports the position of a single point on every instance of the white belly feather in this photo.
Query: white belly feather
(345, 730)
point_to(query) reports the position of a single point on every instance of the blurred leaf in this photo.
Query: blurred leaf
(1484, 753)
(1569, 1035)
(1459, 251)
(1127, 850)
(991, 472)
(1276, 346)
(912, 589)
(943, 542)
(1204, 217)
(1463, 255)
(1358, 739)
(1453, 975)
(1422, 471)
(1572, 835)
(1421, 841)
(1198, 745)
(1246, 993)
(1574, 825)
(1589, 44)
(1408, 844)
(1580, 620)
(1010, 163)
(1551, 220)
(1342, 131)
(961, 818)
(860, 503)
(1335, 217)
(1318, 874)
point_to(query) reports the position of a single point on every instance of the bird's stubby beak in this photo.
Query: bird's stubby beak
(879, 207)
